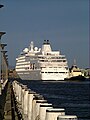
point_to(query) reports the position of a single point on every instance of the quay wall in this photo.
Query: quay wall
(33, 106)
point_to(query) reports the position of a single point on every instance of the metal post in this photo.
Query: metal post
(1, 33)
(4, 65)
(1, 6)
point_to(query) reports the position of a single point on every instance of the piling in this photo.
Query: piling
(30, 102)
(36, 105)
(53, 113)
(67, 117)
(19, 99)
(42, 110)
(25, 104)
(30, 105)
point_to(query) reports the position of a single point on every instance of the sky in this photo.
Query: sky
(64, 22)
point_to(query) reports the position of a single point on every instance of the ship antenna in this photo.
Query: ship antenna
(31, 45)
(75, 61)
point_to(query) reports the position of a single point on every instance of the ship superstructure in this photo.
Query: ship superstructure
(41, 63)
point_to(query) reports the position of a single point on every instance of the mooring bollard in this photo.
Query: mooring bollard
(53, 113)
(20, 90)
(22, 99)
(30, 102)
(36, 104)
(25, 104)
(17, 91)
(25, 101)
(42, 110)
(67, 117)
(14, 87)
(33, 106)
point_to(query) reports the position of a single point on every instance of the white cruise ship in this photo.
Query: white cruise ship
(41, 63)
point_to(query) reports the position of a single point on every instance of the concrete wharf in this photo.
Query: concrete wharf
(17, 102)
(8, 109)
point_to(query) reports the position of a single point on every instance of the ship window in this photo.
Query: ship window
(77, 71)
(62, 57)
(42, 72)
(48, 53)
(64, 60)
(56, 60)
(27, 68)
(44, 60)
(50, 72)
(66, 68)
(61, 72)
(59, 60)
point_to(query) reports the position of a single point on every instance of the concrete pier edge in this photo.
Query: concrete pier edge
(32, 105)
(17, 102)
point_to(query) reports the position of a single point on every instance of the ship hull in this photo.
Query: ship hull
(36, 75)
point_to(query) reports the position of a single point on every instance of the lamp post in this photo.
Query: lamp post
(1, 34)
(1, 46)
(1, 6)
(3, 62)
(4, 66)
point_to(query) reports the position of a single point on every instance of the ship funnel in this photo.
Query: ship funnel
(46, 47)
(46, 42)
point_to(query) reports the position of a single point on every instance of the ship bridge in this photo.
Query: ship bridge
(46, 49)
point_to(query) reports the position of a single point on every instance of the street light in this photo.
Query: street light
(2, 33)
(4, 52)
(4, 64)
(1, 45)
(3, 57)
(1, 6)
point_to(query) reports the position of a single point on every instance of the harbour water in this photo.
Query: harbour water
(74, 96)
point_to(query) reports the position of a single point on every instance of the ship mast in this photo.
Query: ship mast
(75, 62)
(31, 46)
